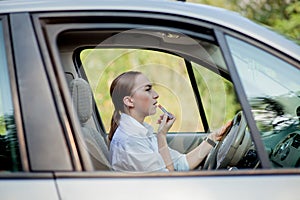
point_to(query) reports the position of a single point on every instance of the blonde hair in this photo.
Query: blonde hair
(121, 86)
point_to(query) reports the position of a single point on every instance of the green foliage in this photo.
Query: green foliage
(282, 15)
(164, 70)
(102, 66)
(2, 125)
(290, 25)
(170, 80)
(217, 95)
(9, 146)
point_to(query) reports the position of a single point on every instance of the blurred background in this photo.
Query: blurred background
(102, 66)
(283, 16)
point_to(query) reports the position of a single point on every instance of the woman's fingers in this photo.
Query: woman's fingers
(224, 130)
(165, 123)
(161, 117)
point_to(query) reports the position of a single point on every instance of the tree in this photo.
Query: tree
(281, 15)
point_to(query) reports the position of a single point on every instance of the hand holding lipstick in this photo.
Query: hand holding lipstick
(165, 121)
(170, 115)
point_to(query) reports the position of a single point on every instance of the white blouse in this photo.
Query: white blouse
(134, 148)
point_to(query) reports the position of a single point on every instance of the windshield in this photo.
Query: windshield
(272, 87)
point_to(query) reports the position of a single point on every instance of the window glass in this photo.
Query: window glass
(218, 96)
(9, 151)
(272, 87)
(167, 72)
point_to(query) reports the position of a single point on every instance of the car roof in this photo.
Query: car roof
(219, 16)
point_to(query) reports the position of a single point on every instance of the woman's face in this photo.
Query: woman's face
(144, 97)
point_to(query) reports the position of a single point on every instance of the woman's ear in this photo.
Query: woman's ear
(128, 101)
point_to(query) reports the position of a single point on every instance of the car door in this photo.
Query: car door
(75, 49)
(271, 87)
(32, 144)
(193, 122)
(78, 42)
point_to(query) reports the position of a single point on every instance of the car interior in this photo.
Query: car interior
(94, 141)
(188, 70)
(92, 54)
(141, 40)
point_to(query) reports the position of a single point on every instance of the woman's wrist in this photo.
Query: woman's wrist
(161, 134)
(212, 136)
(210, 141)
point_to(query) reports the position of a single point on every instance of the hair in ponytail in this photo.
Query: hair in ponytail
(114, 123)
(121, 86)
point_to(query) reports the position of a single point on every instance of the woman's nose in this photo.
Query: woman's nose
(155, 94)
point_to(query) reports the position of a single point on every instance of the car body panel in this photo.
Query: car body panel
(34, 189)
(58, 168)
(224, 18)
(176, 187)
(32, 98)
(25, 186)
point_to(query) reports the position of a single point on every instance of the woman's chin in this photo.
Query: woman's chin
(152, 112)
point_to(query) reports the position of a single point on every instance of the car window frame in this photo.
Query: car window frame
(219, 34)
(255, 134)
(51, 33)
(26, 71)
(55, 29)
(190, 76)
(14, 93)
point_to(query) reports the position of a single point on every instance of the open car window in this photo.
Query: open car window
(184, 71)
(171, 79)
(167, 72)
(187, 69)
(192, 84)
(189, 74)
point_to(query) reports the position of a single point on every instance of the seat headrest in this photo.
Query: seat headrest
(82, 99)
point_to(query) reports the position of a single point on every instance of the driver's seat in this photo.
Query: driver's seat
(93, 140)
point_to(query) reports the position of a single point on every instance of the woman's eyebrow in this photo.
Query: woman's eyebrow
(148, 85)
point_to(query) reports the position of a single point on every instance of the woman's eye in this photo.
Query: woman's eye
(148, 89)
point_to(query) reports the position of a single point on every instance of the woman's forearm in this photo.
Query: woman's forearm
(164, 151)
(196, 156)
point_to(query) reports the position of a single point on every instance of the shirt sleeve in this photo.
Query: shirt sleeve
(141, 155)
(179, 160)
(136, 155)
(143, 158)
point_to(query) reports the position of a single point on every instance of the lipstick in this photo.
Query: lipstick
(170, 116)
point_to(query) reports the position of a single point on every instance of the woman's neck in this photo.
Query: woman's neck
(136, 117)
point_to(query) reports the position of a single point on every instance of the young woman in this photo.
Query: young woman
(133, 145)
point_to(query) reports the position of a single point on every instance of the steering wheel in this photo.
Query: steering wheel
(232, 147)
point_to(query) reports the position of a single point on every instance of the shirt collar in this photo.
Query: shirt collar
(133, 127)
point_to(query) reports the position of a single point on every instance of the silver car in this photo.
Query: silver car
(209, 66)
